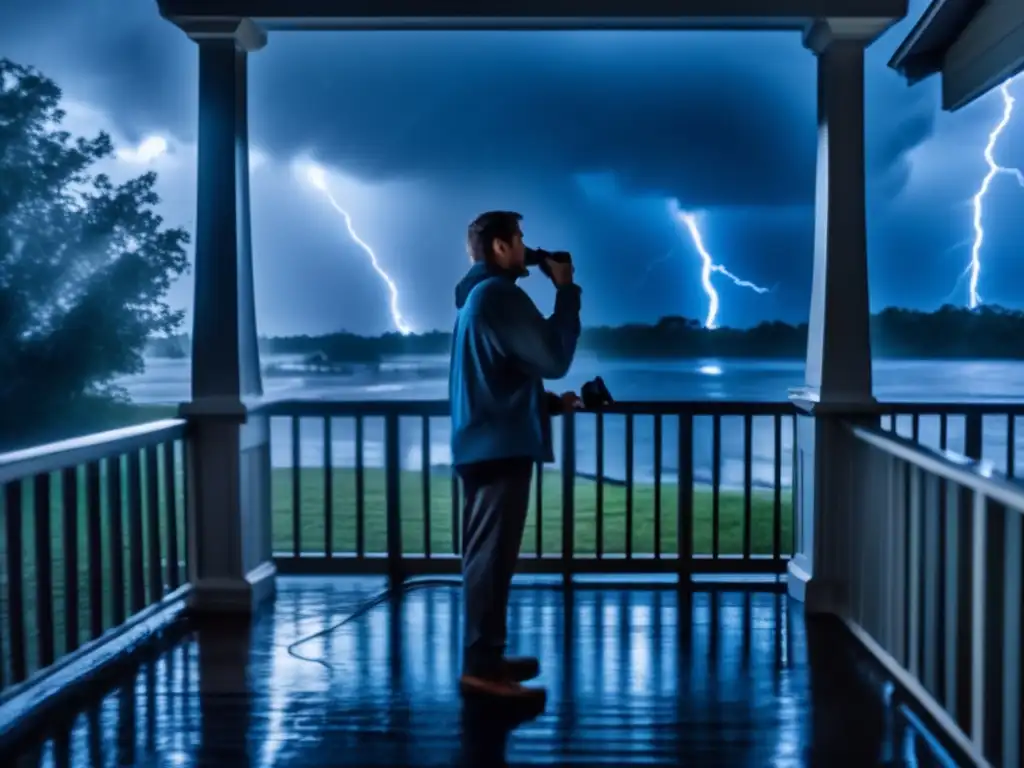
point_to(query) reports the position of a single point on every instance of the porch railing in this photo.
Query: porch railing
(929, 566)
(977, 430)
(93, 536)
(631, 488)
(93, 529)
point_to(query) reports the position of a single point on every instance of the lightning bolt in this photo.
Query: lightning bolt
(994, 169)
(317, 177)
(689, 220)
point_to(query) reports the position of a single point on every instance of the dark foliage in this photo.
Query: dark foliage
(85, 264)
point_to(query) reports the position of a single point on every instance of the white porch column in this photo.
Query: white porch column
(229, 450)
(838, 375)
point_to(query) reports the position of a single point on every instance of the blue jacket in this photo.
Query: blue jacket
(502, 350)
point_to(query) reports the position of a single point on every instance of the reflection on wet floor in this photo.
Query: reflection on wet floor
(641, 676)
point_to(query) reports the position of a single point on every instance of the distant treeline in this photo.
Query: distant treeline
(990, 332)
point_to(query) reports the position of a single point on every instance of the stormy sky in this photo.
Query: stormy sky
(589, 135)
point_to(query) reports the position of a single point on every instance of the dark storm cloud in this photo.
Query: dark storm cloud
(117, 54)
(675, 113)
(723, 121)
(707, 117)
(898, 118)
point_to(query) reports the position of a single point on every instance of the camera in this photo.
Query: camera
(595, 394)
(538, 257)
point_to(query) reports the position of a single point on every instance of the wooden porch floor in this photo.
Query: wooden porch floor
(741, 680)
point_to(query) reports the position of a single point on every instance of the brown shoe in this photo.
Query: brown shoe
(501, 690)
(520, 668)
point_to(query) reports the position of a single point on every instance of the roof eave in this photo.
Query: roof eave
(921, 54)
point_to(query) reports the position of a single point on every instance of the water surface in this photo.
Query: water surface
(425, 378)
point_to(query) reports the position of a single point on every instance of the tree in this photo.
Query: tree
(85, 264)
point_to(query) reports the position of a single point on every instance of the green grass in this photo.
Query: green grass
(731, 527)
(411, 497)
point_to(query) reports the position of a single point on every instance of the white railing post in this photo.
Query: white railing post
(229, 446)
(937, 589)
(838, 375)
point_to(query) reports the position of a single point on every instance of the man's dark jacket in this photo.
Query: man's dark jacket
(502, 350)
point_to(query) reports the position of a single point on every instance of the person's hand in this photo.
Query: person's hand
(570, 401)
(563, 403)
(561, 272)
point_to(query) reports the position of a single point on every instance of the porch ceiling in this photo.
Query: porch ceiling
(529, 14)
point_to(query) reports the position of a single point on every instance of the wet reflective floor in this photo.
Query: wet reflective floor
(634, 677)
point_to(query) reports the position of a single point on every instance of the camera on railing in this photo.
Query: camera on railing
(595, 394)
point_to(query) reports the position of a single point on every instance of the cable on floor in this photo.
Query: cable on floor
(365, 607)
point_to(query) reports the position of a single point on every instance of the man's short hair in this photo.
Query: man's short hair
(503, 225)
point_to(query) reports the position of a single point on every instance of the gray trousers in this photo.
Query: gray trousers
(497, 496)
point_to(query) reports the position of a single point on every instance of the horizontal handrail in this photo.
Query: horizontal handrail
(294, 407)
(441, 408)
(65, 454)
(95, 529)
(938, 408)
(978, 476)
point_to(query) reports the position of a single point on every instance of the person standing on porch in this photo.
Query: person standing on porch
(502, 350)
